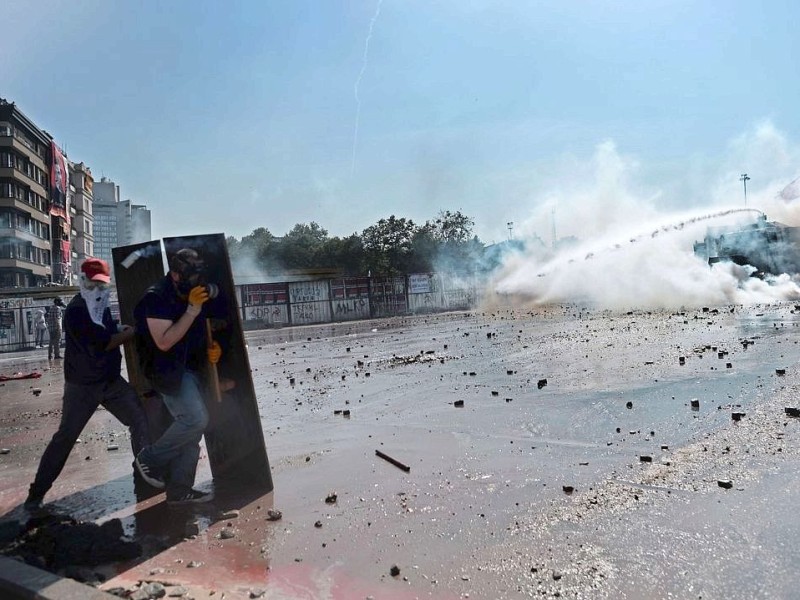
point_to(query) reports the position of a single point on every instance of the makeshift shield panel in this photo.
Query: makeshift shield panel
(234, 438)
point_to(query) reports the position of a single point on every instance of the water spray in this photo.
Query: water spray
(680, 225)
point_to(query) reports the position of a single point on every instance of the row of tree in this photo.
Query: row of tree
(390, 246)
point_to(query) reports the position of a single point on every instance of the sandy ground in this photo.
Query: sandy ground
(554, 399)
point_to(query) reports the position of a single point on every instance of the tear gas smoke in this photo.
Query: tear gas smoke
(655, 268)
(618, 249)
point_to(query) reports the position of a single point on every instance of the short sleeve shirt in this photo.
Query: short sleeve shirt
(161, 301)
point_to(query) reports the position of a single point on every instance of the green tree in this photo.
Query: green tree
(301, 248)
(346, 254)
(452, 228)
(388, 245)
(259, 245)
(234, 246)
(456, 248)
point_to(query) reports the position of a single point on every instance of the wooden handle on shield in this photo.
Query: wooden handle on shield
(212, 368)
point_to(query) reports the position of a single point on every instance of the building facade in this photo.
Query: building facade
(25, 218)
(82, 213)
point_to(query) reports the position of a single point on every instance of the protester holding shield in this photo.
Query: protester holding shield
(172, 346)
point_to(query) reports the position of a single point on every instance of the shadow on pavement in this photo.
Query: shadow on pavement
(116, 526)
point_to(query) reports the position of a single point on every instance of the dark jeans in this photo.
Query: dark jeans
(79, 404)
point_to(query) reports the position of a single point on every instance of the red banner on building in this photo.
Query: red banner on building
(59, 198)
(58, 182)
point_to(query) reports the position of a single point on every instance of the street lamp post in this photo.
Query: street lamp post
(744, 179)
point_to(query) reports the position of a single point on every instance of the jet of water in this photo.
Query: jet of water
(364, 60)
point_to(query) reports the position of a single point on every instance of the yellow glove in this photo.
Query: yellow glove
(198, 296)
(214, 352)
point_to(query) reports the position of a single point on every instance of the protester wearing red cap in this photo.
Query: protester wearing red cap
(96, 269)
(92, 364)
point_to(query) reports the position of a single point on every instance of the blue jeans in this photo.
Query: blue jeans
(79, 404)
(177, 451)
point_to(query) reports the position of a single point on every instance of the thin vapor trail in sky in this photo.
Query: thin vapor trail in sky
(364, 60)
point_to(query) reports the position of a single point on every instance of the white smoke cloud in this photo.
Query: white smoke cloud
(631, 255)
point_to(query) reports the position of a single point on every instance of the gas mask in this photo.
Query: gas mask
(191, 271)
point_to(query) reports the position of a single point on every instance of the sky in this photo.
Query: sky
(568, 117)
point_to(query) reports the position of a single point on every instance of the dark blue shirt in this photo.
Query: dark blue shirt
(86, 360)
(165, 369)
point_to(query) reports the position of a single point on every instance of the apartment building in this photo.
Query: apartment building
(25, 218)
(82, 214)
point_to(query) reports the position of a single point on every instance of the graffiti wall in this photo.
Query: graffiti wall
(272, 315)
(309, 302)
(350, 298)
(266, 304)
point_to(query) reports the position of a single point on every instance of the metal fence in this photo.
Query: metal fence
(17, 330)
(353, 298)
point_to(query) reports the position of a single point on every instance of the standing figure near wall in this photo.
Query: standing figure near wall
(39, 328)
(55, 316)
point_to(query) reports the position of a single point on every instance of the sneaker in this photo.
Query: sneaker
(33, 503)
(191, 497)
(149, 474)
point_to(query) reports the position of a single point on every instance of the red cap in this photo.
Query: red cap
(96, 269)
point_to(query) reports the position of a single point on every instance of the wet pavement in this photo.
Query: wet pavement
(551, 451)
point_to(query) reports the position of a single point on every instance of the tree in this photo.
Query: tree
(259, 245)
(425, 249)
(234, 246)
(452, 228)
(388, 245)
(447, 243)
(302, 246)
(346, 254)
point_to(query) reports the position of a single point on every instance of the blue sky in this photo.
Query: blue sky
(224, 117)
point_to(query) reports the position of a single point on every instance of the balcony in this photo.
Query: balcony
(25, 265)
(12, 173)
(22, 233)
(13, 142)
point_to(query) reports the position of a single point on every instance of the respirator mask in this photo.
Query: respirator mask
(191, 271)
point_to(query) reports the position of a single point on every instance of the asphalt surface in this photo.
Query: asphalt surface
(576, 466)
